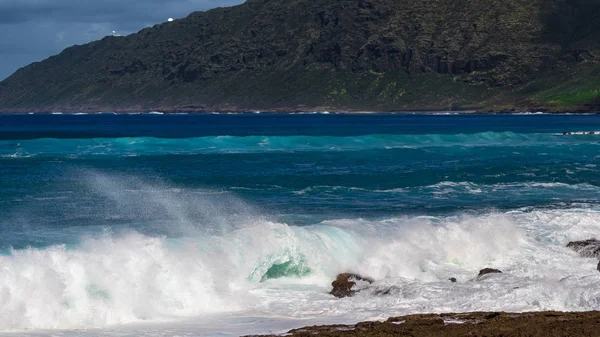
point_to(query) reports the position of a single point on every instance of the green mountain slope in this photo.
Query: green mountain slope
(339, 55)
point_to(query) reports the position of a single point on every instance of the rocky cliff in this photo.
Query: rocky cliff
(342, 55)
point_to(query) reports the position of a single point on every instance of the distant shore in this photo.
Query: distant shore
(292, 112)
(490, 324)
(300, 109)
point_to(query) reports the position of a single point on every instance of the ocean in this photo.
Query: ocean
(230, 224)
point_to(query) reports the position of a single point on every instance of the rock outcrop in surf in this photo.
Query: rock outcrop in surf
(487, 271)
(344, 284)
(586, 248)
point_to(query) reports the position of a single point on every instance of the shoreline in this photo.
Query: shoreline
(490, 324)
(232, 109)
(291, 112)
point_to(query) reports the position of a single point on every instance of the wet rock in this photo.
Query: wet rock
(586, 248)
(342, 286)
(385, 292)
(487, 271)
(452, 279)
(490, 324)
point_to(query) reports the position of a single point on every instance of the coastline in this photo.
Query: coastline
(323, 111)
(282, 207)
(490, 324)
(518, 108)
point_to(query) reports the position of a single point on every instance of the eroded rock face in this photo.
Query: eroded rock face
(586, 248)
(286, 54)
(342, 286)
(487, 271)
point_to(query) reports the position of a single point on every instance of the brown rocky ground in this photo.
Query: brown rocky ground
(490, 324)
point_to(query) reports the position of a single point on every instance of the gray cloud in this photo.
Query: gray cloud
(32, 30)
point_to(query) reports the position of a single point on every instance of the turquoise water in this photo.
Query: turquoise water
(301, 169)
(112, 219)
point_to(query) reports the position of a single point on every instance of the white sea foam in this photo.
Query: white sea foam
(450, 187)
(280, 274)
(16, 155)
(252, 275)
(254, 144)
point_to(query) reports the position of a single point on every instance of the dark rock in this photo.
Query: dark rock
(342, 286)
(452, 279)
(531, 324)
(586, 248)
(386, 292)
(487, 271)
(598, 267)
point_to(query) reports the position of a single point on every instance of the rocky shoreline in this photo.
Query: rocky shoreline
(489, 324)
(175, 110)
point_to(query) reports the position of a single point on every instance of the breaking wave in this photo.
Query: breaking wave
(132, 277)
(257, 144)
(450, 189)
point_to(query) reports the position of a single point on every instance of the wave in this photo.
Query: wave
(131, 278)
(451, 188)
(259, 144)
(267, 266)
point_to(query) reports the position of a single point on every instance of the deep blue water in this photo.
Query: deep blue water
(65, 176)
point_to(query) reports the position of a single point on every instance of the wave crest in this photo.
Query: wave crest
(258, 144)
(134, 277)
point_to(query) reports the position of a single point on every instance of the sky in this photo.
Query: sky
(32, 30)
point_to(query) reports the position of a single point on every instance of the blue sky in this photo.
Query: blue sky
(32, 30)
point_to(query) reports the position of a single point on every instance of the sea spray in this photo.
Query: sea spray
(134, 277)
(166, 209)
(212, 225)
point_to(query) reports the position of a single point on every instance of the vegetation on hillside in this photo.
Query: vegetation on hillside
(338, 55)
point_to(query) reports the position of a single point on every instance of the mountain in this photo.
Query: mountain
(341, 55)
